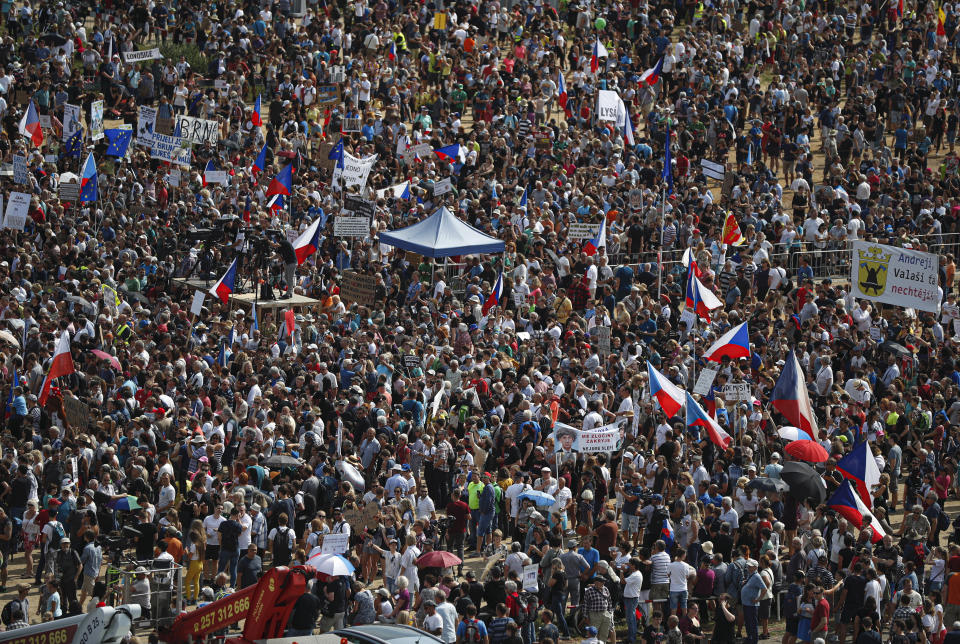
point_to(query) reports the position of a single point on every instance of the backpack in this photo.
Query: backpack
(6, 616)
(943, 521)
(735, 575)
(527, 604)
(471, 631)
(58, 534)
(281, 547)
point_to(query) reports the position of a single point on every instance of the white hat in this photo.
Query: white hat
(775, 456)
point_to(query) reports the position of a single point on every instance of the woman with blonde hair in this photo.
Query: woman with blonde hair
(196, 551)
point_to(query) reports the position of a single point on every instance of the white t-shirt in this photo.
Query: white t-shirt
(433, 623)
(679, 571)
(246, 522)
(211, 526)
(167, 496)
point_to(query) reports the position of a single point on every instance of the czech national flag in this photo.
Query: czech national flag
(450, 153)
(259, 163)
(495, 295)
(899, 8)
(848, 503)
(652, 75)
(88, 180)
(247, 210)
(255, 118)
(696, 417)
(224, 286)
(731, 231)
(627, 128)
(275, 203)
(599, 51)
(700, 299)
(790, 396)
(691, 263)
(561, 90)
(30, 125)
(282, 184)
(308, 242)
(61, 365)
(667, 394)
(734, 344)
(667, 535)
(210, 167)
(392, 52)
(600, 241)
(860, 467)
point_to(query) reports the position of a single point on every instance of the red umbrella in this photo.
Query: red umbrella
(439, 559)
(106, 356)
(805, 450)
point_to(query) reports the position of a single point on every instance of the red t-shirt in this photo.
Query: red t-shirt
(459, 511)
(821, 614)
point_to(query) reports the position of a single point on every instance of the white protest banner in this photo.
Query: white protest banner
(20, 173)
(608, 105)
(72, 119)
(607, 438)
(442, 187)
(335, 543)
(423, 150)
(173, 178)
(146, 122)
(898, 276)
(354, 172)
(196, 307)
(705, 382)
(197, 130)
(602, 337)
(96, 120)
(216, 176)
(351, 226)
(45, 122)
(530, 578)
(736, 391)
(170, 148)
(580, 230)
(18, 206)
(137, 56)
(712, 170)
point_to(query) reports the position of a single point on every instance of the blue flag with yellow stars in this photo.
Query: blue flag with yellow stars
(119, 141)
(74, 145)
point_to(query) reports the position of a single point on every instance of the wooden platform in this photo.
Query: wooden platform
(199, 285)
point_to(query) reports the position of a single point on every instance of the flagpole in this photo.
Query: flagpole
(663, 217)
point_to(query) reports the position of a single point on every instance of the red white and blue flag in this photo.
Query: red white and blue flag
(734, 344)
(224, 286)
(449, 153)
(667, 394)
(628, 129)
(790, 396)
(561, 90)
(30, 125)
(256, 118)
(259, 163)
(700, 299)
(667, 534)
(494, 298)
(392, 52)
(89, 182)
(652, 75)
(308, 242)
(697, 417)
(861, 468)
(846, 500)
(599, 51)
(600, 241)
(282, 184)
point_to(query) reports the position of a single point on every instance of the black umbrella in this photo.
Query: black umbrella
(766, 484)
(135, 295)
(281, 460)
(897, 349)
(53, 39)
(804, 482)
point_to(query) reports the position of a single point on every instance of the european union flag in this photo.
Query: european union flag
(119, 141)
(74, 145)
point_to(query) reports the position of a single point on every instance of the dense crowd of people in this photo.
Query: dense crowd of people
(437, 415)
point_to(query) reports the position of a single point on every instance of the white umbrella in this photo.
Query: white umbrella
(333, 565)
(8, 337)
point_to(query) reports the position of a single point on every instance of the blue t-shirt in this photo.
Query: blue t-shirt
(462, 629)
(592, 555)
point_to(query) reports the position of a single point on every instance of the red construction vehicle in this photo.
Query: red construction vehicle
(266, 607)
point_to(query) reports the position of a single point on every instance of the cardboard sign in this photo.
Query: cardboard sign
(169, 148)
(20, 173)
(173, 178)
(442, 187)
(45, 122)
(440, 20)
(196, 130)
(411, 361)
(196, 307)
(578, 231)
(712, 170)
(78, 413)
(542, 141)
(705, 381)
(163, 126)
(602, 335)
(69, 191)
(359, 207)
(736, 391)
(72, 119)
(530, 578)
(355, 287)
(18, 207)
(351, 124)
(877, 335)
(146, 124)
(96, 120)
(351, 226)
(335, 543)
(608, 105)
(893, 275)
(137, 56)
(328, 94)
(217, 176)
(338, 74)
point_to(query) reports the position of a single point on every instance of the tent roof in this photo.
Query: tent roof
(442, 235)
